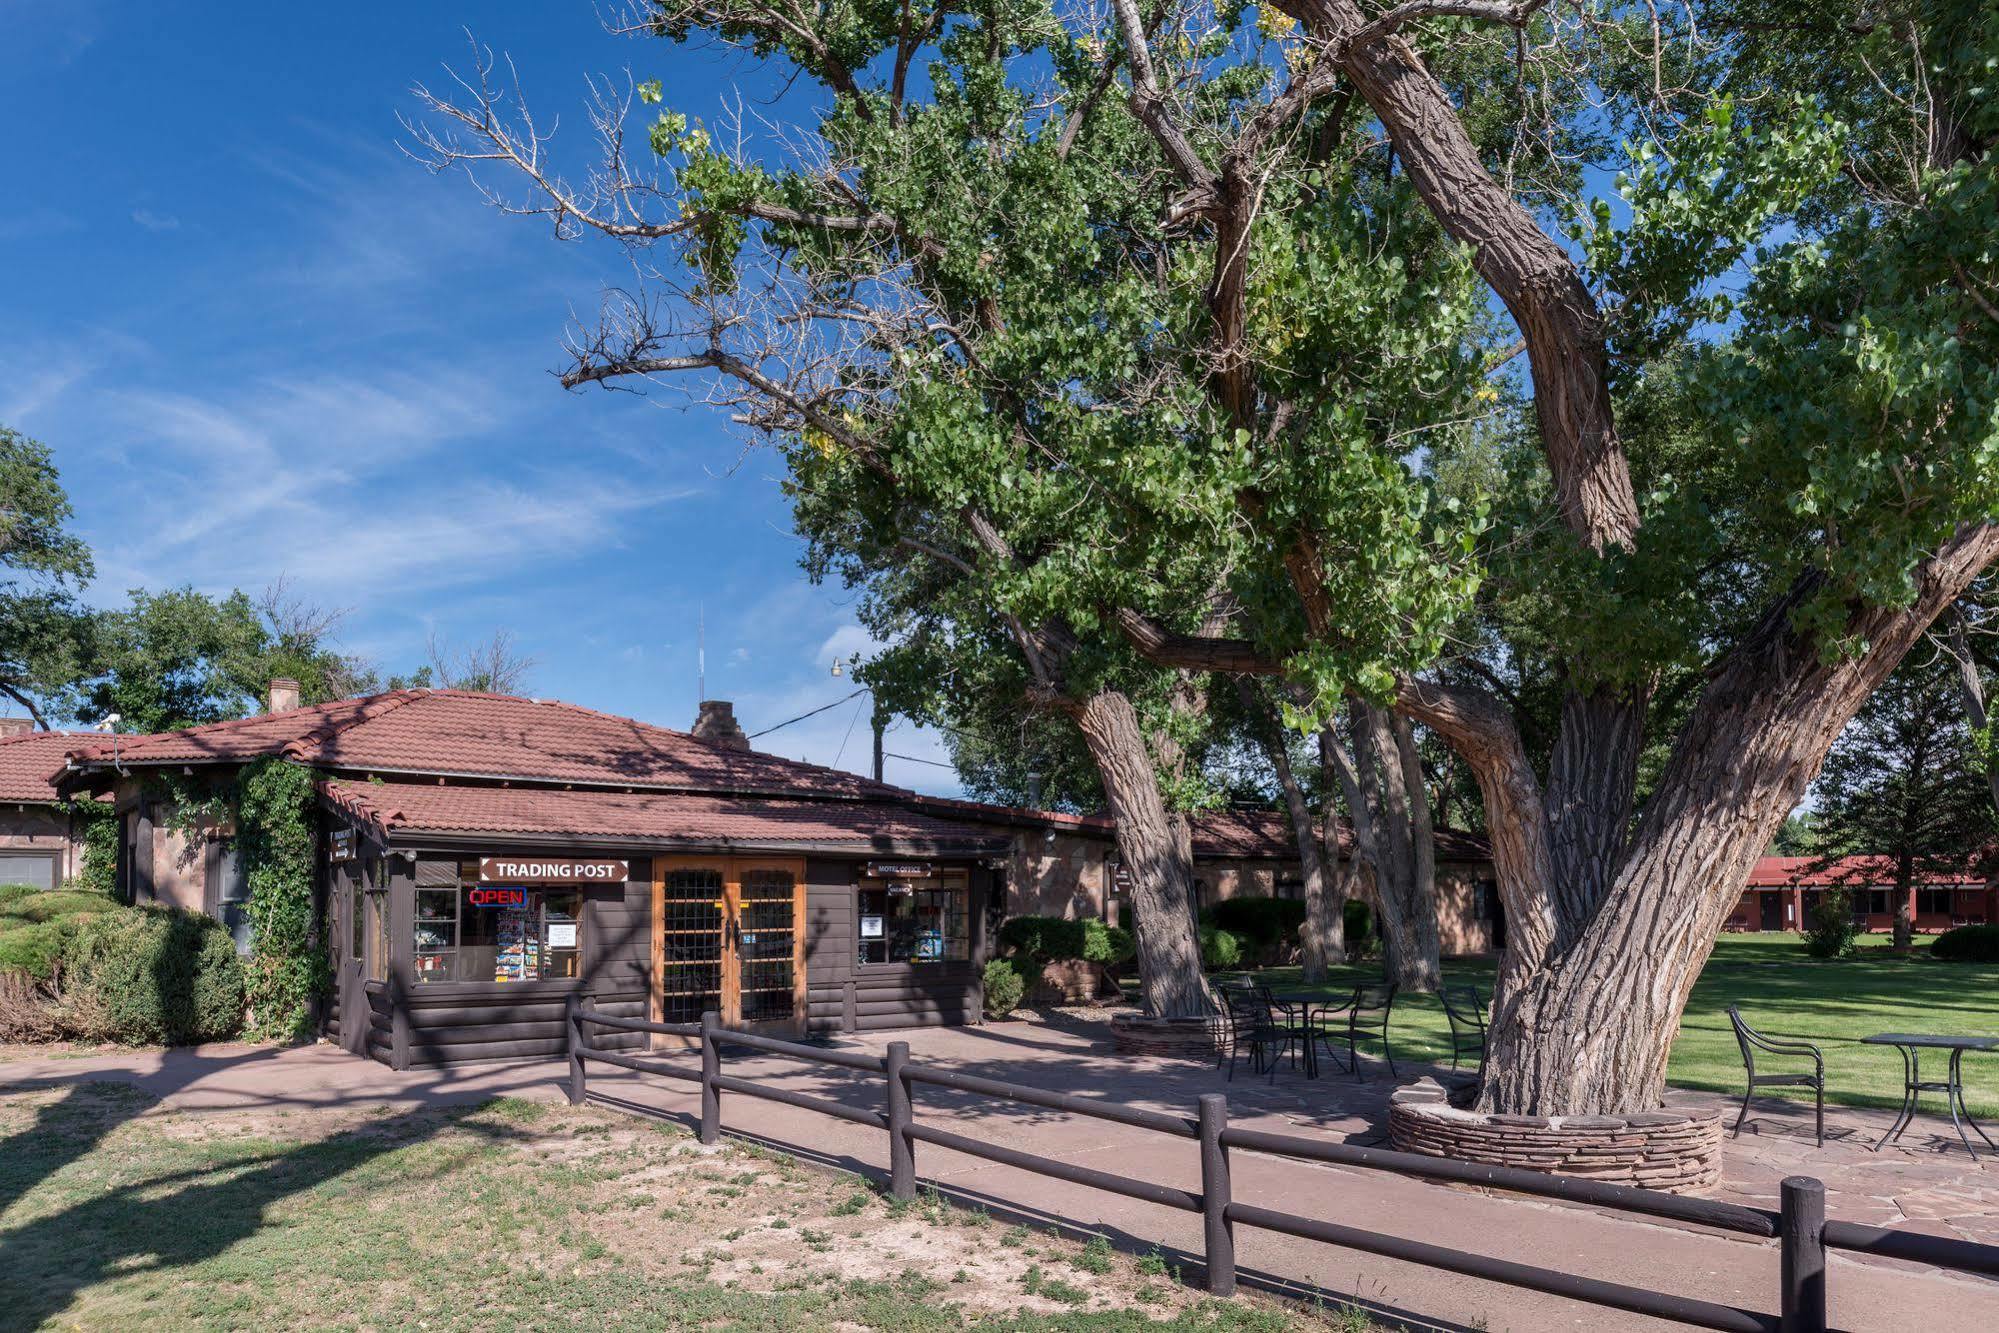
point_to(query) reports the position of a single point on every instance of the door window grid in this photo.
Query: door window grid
(691, 944)
(766, 938)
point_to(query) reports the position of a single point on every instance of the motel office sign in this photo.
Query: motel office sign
(559, 870)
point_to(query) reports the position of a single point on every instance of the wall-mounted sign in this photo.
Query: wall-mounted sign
(898, 870)
(340, 846)
(497, 897)
(522, 870)
(1121, 877)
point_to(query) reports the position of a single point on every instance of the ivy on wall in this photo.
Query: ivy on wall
(276, 837)
(96, 826)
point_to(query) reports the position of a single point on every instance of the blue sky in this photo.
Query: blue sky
(262, 341)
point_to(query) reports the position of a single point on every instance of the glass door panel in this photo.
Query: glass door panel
(689, 939)
(767, 945)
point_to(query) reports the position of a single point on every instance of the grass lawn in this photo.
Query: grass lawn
(114, 1214)
(1784, 992)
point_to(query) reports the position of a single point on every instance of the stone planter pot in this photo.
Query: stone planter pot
(1675, 1151)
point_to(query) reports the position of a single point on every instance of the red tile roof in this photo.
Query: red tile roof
(1773, 872)
(28, 760)
(402, 808)
(458, 733)
(1267, 835)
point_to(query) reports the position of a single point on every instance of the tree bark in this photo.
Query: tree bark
(1158, 848)
(1392, 839)
(1971, 689)
(1323, 937)
(1585, 1030)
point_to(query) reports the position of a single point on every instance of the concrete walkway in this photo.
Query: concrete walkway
(1927, 1186)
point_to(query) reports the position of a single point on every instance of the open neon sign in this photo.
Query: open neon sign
(489, 897)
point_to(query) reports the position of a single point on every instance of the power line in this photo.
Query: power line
(849, 736)
(802, 716)
(912, 759)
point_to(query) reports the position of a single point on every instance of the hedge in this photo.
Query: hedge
(98, 970)
(1265, 926)
(1048, 939)
(1220, 949)
(1967, 944)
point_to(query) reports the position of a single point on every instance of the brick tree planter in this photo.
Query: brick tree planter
(1178, 1038)
(1675, 1151)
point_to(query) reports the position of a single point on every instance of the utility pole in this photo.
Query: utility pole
(881, 725)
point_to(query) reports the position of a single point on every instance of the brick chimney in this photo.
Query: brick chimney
(284, 695)
(717, 725)
(15, 726)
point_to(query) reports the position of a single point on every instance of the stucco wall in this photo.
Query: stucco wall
(42, 829)
(1062, 877)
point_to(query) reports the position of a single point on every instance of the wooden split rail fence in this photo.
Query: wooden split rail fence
(1803, 1234)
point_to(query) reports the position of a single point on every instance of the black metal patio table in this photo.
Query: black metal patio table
(1911, 1045)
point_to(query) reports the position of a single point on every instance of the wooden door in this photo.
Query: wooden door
(728, 935)
(352, 975)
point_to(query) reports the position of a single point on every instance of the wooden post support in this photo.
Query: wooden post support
(1218, 1231)
(711, 1069)
(574, 1007)
(1801, 1235)
(901, 1151)
(399, 1025)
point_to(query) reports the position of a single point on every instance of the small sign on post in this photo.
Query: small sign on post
(340, 845)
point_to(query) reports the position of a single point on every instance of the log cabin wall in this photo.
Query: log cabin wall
(843, 995)
(456, 1022)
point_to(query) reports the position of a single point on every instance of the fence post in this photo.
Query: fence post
(711, 1069)
(1219, 1232)
(1801, 1235)
(574, 1008)
(901, 1152)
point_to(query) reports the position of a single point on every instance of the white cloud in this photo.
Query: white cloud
(152, 221)
(844, 644)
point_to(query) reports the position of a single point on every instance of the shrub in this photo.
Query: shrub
(1219, 949)
(1357, 918)
(1004, 988)
(34, 925)
(1831, 933)
(1968, 944)
(1266, 926)
(151, 975)
(27, 1012)
(1046, 939)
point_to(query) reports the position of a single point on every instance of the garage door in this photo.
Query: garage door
(38, 870)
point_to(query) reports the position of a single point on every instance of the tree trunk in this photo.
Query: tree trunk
(1157, 846)
(1585, 1029)
(1323, 937)
(1392, 838)
(1972, 690)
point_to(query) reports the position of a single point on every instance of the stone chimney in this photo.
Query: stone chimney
(717, 725)
(284, 695)
(15, 726)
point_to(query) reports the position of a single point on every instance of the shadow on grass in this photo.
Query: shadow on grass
(149, 1222)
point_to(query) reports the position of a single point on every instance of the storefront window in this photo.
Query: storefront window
(915, 921)
(497, 932)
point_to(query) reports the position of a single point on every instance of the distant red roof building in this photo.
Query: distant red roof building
(29, 760)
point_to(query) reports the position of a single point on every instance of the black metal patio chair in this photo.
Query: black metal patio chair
(1751, 1041)
(1466, 1012)
(1253, 1024)
(1366, 1013)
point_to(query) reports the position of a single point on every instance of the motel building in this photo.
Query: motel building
(484, 857)
(1783, 891)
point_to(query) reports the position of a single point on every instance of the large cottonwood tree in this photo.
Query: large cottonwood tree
(1165, 315)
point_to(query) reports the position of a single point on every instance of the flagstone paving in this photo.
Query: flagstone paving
(1925, 1183)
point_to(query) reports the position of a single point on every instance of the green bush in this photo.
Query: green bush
(1831, 932)
(35, 923)
(1357, 919)
(1004, 988)
(1220, 949)
(1267, 927)
(1047, 939)
(152, 975)
(1968, 944)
